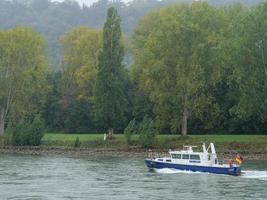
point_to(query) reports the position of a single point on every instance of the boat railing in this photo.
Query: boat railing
(186, 147)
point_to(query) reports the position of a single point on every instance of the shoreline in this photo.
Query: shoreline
(130, 152)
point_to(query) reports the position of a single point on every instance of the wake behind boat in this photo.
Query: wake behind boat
(205, 161)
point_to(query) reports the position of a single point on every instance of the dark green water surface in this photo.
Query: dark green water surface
(112, 178)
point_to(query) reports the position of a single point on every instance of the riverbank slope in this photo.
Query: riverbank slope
(252, 147)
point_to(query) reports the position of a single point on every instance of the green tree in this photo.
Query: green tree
(80, 53)
(179, 62)
(23, 70)
(130, 130)
(110, 99)
(28, 132)
(52, 108)
(148, 132)
(248, 73)
(80, 49)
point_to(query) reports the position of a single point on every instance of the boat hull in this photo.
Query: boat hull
(235, 171)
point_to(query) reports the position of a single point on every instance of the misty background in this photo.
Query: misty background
(53, 18)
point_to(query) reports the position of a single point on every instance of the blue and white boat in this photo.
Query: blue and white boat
(189, 160)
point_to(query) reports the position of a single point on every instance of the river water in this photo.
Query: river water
(112, 178)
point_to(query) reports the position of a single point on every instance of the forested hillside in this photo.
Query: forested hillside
(53, 19)
(196, 67)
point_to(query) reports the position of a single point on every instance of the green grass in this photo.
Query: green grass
(71, 137)
(242, 143)
(87, 140)
(231, 138)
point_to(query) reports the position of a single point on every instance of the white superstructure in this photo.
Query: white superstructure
(187, 156)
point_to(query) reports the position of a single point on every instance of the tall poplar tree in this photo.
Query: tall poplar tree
(110, 98)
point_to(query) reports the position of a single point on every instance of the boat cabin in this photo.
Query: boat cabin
(208, 156)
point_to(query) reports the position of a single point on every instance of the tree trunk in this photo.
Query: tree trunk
(184, 122)
(2, 123)
(110, 133)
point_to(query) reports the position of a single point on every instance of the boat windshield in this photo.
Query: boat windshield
(176, 156)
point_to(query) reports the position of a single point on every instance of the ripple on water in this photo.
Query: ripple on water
(175, 171)
(255, 174)
(101, 178)
(249, 174)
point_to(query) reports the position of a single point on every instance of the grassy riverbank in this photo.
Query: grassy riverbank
(253, 147)
(224, 143)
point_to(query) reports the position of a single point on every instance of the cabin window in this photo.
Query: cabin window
(176, 156)
(185, 156)
(194, 157)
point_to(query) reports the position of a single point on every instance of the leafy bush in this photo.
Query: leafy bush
(5, 140)
(77, 142)
(28, 132)
(130, 130)
(148, 132)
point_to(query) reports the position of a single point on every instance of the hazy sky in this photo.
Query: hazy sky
(89, 2)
